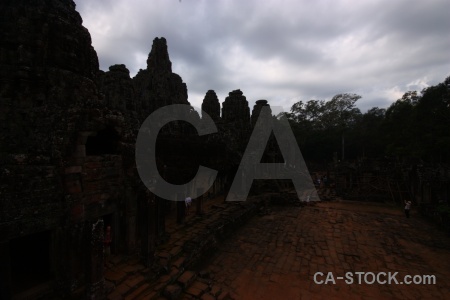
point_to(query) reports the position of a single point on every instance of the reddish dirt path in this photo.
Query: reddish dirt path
(276, 256)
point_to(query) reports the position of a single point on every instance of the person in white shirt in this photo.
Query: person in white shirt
(188, 202)
(407, 208)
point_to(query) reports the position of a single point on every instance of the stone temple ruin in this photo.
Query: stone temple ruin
(68, 168)
(67, 161)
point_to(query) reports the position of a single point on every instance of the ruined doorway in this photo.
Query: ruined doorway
(108, 220)
(105, 142)
(31, 264)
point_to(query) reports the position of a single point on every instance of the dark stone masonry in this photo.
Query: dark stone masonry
(211, 105)
(77, 222)
(67, 153)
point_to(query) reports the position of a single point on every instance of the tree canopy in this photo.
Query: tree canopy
(416, 125)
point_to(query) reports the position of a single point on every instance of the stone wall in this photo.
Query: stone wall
(67, 151)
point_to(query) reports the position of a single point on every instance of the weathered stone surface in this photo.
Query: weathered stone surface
(47, 64)
(117, 88)
(55, 121)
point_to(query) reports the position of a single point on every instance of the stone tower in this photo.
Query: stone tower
(257, 109)
(211, 105)
(235, 108)
(158, 60)
(157, 86)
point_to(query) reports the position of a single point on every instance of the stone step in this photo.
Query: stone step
(225, 294)
(179, 263)
(114, 296)
(138, 292)
(186, 279)
(115, 276)
(116, 259)
(197, 289)
(122, 289)
(135, 281)
(133, 269)
(172, 291)
(176, 251)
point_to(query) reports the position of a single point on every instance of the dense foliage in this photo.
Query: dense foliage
(415, 126)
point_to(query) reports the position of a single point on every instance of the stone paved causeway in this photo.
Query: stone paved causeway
(276, 256)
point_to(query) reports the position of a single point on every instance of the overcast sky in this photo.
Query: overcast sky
(282, 51)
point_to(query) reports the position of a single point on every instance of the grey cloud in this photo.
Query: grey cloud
(322, 47)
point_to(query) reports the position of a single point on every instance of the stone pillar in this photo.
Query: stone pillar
(181, 208)
(131, 233)
(96, 280)
(5, 271)
(130, 221)
(199, 201)
(160, 217)
(148, 231)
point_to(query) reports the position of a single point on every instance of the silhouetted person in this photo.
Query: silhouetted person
(407, 208)
(188, 202)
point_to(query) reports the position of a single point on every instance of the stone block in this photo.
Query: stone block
(122, 289)
(92, 165)
(131, 269)
(215, 290)
(82, 137)
(151, 295)
(165, 279)
(197, 293)
(77, 211)
(172, 291)
(204, 274)
(201, 286)
(164, 255)
(175, 272)
(136, 281)
(179, 263)
(80, 151)
(93, 198)
(115, 276)
(73, 186)
(114, 296)
(72, 170)
(137, 292)
(223, 295)
(175, 251)
(207, 297)
(186, 278)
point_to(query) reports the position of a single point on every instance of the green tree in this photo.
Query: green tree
(368, 133)
(398, 126)
(432, 120)
(320, 125)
